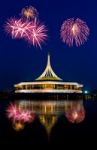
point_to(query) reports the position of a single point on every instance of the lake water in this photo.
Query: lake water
(47, 124)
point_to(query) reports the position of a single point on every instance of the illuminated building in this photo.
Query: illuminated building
(48, 82)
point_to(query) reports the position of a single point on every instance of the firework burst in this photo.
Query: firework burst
(75, 116)
(37, 34)
(75, 112)
(15, 113)
(12, 111)
(32, 31)
(74, 31)
(29, 12)
(18, 28)
(26, 116)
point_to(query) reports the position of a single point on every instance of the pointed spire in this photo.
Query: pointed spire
(48, 61)
(48, 73)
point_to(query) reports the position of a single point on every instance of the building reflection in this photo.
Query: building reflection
(48, 112)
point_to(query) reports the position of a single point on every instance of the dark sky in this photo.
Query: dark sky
(20, 61)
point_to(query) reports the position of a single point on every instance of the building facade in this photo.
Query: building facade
(48, 82)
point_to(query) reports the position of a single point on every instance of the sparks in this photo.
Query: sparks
(15, 113)
(32, 31)
(12, 111)
(18, 28)
(26, 116)
(74, 31)
(37, 34)
(75, 115)
(29, 13)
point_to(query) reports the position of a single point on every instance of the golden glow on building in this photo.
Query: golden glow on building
(48, 82)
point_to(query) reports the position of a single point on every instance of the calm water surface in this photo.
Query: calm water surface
(46, 124)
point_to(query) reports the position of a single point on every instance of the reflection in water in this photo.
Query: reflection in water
(47, 111)
(75, 112)
(18, 125)
(24, 111)
(19, 116)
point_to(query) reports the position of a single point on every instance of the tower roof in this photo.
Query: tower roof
(48, 73)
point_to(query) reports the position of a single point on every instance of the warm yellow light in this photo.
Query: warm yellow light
(75, 29)
(75, 115)
(18, 126)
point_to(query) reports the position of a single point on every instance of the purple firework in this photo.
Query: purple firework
(74, 31)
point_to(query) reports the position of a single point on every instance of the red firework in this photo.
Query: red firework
(75, 115)
(37, 34)
(18, 28)
(32, 31)
(12, 111)
(17, 114)
(74, 31)
(26, 116)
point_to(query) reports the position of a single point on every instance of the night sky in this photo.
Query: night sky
(20, 61)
